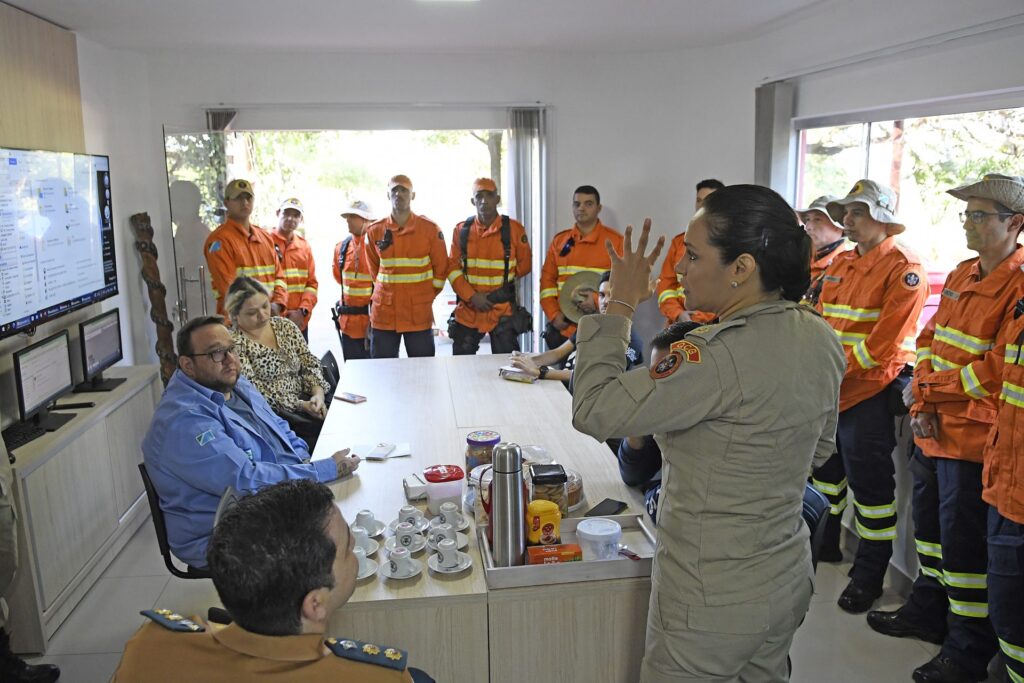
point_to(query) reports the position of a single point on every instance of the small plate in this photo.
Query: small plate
(436, 521)
(377, 530)
(461, 539)
(385, 571)
(421, 527)
(371, 569)
(418, 544)
(465, 562)
(372, 546)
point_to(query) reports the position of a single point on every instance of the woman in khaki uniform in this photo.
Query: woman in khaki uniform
(740, 409)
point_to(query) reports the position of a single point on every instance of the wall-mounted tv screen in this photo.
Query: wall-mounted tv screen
(56, 235)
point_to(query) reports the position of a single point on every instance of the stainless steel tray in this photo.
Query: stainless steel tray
(635, 535)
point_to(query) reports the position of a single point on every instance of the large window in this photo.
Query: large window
(920, 159)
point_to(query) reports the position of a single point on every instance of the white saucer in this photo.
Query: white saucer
(436, 521)
(421, 527)
(385, 571)
(371, 569)
(377, 530)
(461, 539)
(372, 546)
(465, 562)
(418, 544)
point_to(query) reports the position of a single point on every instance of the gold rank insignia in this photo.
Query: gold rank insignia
(348, 644)
(701, 329)
(371, 649)
(393, 654)
(332, 641)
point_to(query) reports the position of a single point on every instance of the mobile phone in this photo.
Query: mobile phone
(381, 451)
(350, 398)
(608, 506)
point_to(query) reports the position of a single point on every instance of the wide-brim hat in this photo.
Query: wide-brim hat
(821, 204)
(880, 200)
(578, 295)
(1008, 190)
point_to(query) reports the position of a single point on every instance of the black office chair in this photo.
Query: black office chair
(815, 511)
(161, 531)
(332, 373)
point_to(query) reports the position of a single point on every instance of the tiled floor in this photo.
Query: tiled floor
(831, 646)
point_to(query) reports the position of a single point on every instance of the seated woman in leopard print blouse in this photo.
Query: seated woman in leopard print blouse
(276, 359)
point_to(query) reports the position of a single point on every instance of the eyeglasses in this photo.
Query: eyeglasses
(218, 355)
(979, 217)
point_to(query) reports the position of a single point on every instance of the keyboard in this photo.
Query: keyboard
(19, 435)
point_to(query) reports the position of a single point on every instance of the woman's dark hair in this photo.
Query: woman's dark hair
(750, 219)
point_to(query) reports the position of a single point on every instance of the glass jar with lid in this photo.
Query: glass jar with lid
(479, 445)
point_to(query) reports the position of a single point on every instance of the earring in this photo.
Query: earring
(734, 284)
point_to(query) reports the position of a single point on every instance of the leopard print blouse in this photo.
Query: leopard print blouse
(285, 375)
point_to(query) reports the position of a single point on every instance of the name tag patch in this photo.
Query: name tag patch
(949, 293)
(832, 278)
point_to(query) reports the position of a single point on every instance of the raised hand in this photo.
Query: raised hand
(632, 279)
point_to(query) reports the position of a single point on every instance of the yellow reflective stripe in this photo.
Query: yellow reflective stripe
(1012, 354)
(572, 270)
(978, 610)
(1012, 651)
(924, 354)
(481, 280)
(404, 278)
(497, 264)
(934, 573)
(829, 489)
(545, 293)
(929, 549)
(887, 534)
(971, 383)
(850, 338)
(962, 340)
(1014, 676)
(961, 580)
(405, 262)
(860, 352)
(909, 344)
(252, 271)
(295, 272)
(838, 509)
(297, 288)
(669, 294)
(845, 312)
(362, 277)
(876, 511)
(940, 363)
(454, 275)
(1013, 394)
(311, 290)
(438, 283)
(357, 291)
(279, 283)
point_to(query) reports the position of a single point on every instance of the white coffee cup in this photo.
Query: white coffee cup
(365, 519)
(405, 535)
(400, 563)
(362, 537)
(450, 515)
(448, 554)
(442, 532)
(412, 515)
(361, 556)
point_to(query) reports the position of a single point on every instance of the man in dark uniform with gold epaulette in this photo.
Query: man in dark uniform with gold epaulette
(280, 613)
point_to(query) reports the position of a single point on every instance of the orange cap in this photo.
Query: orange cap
(400, 179)
(485, 184)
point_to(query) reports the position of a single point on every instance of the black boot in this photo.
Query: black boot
(13, 668)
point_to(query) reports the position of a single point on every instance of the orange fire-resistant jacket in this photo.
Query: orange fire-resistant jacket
(873, 303)
(671, 297)
(959, 365)
(1003, 476)
(299, 273)
(232, 251)
(356, 285)
(485, 268)
(586, 253)
(408, 273)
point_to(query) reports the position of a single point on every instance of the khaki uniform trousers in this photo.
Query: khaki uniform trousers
(743, 643)
(8, 532)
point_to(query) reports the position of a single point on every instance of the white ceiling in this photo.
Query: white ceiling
(414, 25)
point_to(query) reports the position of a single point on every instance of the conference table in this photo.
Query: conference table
(454, 627)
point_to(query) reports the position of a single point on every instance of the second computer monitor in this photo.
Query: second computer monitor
(100, 338)
(42, 374)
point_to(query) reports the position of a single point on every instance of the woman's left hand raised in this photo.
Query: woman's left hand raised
(631, 280)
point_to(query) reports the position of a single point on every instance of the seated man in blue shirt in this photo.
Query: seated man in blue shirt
(213, 429)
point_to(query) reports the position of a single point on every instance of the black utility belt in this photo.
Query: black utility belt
(353, 310)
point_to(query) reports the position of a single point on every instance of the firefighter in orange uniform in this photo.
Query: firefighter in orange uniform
(297, 259)
(671, 298)
(827, 237)
(406, 256)
(872, 296)
(581, 247)
(352, 313)
(482, 276)
(238, 247)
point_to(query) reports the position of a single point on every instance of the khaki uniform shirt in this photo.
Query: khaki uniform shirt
(8, 531)
(156, 654)
(739, 409)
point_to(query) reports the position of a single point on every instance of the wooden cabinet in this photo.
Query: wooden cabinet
(80, 498)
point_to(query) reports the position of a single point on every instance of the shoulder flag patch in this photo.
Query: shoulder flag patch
(214, 246)
(204, 438)
(688, 350)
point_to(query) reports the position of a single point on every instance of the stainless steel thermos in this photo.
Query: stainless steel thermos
(508, 506)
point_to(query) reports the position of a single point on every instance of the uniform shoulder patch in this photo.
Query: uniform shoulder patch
(172, 621)
(368, 653)
(440, 235)
(911, 280)
(214, 246)
(523, 238)
(204, 438)
(667, 366)
(687, 349)
(709, 332)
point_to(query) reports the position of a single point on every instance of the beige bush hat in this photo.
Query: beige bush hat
(1008, 190)
(821, 204)
(880, 200)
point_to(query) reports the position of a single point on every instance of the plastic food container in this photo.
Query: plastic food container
(599, 538)
(574, 488)
(479, 445)
(549, 483)
(444, 484)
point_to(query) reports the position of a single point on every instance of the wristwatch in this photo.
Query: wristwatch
(543, 372)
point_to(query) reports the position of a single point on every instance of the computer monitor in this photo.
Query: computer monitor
(100, 338)
(42, 374)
